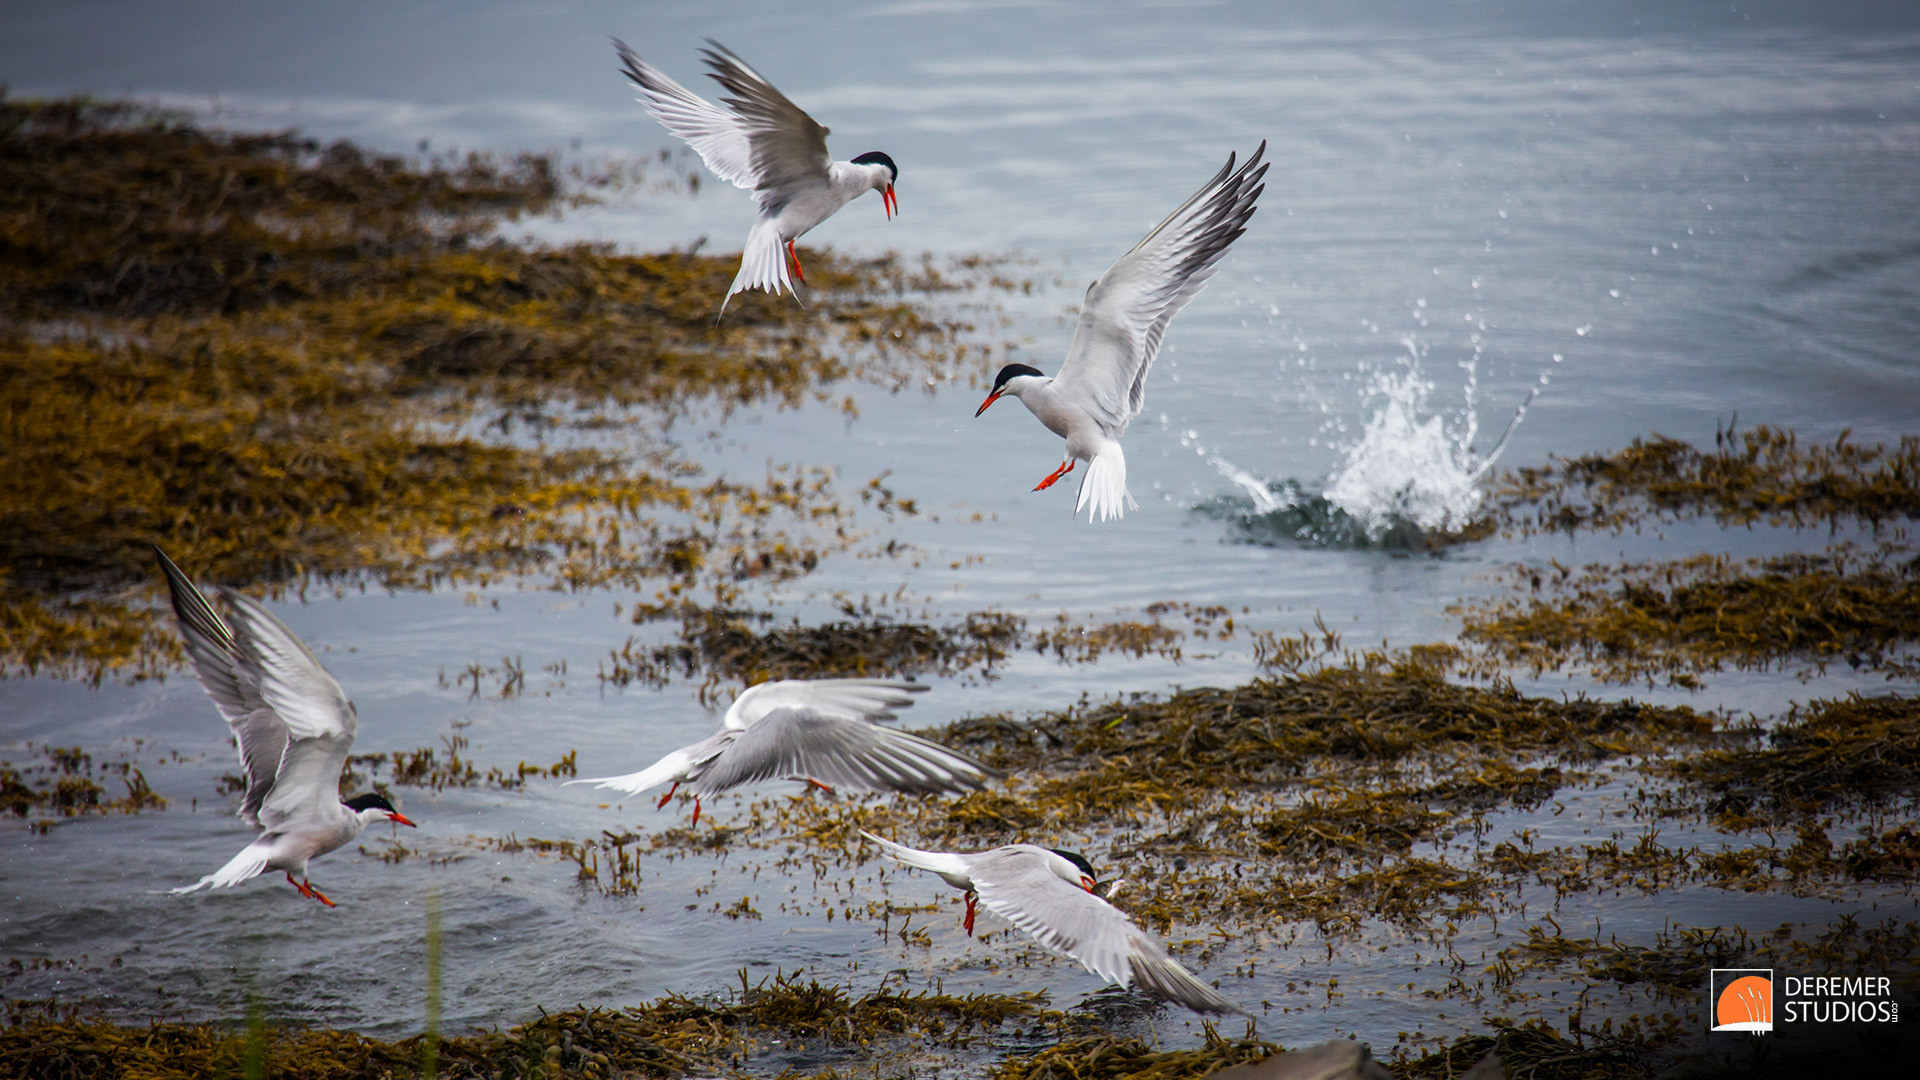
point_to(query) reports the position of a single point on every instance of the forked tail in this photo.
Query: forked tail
(940, 862)
(763, 265)
(1103, 491)
(250, 863)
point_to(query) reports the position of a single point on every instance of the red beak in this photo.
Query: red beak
(890, 200)
(991, 398)
(400, 819)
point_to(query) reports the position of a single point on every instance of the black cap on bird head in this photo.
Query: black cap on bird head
(1076, 859)
(1012, 370)
(875, 157)
(372, 800)
(1000, 387)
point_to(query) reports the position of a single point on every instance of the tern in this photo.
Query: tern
(823, 731)
(1102, 382)
(770, 146)
(1052, 897)
(294, 726)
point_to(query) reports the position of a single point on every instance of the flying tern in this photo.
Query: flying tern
(823, 731)
(1102, 382)
(770, 146)
(294, 726)
(1052, 897)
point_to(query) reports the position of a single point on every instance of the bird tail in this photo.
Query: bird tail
(763, 265)
(672, 766)
(939, 862)
(250, 863)
(1103, 491)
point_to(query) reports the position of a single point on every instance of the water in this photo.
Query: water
(1655, 215)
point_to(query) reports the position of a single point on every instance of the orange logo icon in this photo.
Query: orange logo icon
(1743, 999)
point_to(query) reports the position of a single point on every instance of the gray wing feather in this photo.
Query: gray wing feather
(789, 147)
(285, 673)
(1015, 884)
(712, 132)
(307, 788)
(217, 659)
(1127, 311)
(851, 753)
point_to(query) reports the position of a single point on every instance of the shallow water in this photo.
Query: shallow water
(1657, 216)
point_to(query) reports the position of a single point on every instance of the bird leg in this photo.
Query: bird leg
(811, 782)
(668, 797)
(798, 274)
(967, 923)
(1065, 468)
(307, 890)
(696, 809)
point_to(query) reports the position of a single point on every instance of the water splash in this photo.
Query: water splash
(1409, 465)
(1411, 478)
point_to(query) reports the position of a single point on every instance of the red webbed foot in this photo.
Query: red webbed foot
(1065, 468)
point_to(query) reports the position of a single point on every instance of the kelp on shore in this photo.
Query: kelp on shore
(289, 362)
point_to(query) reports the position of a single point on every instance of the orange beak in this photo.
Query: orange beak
(400, 819)
(890, 201)
(1088, 883)
(991, 398)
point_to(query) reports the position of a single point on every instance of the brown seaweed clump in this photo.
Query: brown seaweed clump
(287, 361)
(1849, 753)
(670, 1037)
(1676, 620)
(1765, 474)
(63, 782)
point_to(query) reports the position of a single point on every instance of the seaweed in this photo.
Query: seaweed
(292, 363)
(1857, 751)
(1765, 474)
(669, 1037)
(65, 782)
(1682, 618)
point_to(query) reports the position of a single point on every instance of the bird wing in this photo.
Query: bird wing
(864, 699)
(789, 148)
(841, 751)
(713, 133)
(215, 652)
(682, 764)
(313, 714)
(1015, 883)
(1127, 311)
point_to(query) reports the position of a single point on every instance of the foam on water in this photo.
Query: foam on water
(1412, 472)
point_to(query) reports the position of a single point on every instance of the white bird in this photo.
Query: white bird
(770, 146)
(294, 726)
(1052, 897)
(823, 731)
(1102, 382)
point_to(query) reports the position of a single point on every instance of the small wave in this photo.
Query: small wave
(1283, 514)
(1411, 481)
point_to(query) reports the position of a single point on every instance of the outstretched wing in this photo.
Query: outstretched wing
(275, 665)
(1127, 311)
(842, 751)
(713, 133)
(257, 729)
(789, 148)
(865, 699)
(1015, 884)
